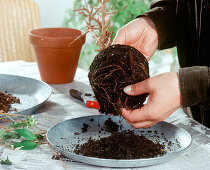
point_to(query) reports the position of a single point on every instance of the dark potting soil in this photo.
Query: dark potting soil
(6, 100)
(120, 145)
(85, 126)
(113, 69)
(110, 126)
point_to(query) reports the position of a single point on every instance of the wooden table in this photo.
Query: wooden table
(60, 106)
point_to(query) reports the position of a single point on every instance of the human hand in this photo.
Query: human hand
(141, 34)
(164, 99)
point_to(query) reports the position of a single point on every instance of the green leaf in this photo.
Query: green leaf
(26, 133)
(6, 162)
(2, 132)
(8, 133)
(15, 136)
(25, 144)
(5, 137)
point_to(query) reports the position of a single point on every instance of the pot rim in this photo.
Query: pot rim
(47, 37)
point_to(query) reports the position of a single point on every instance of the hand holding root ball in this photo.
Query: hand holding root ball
(164, 93)
(121, 65)
(164, 99)
(141, 34)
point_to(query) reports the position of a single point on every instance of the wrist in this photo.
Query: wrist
(179, 89)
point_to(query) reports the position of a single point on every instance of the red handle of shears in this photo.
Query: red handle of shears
(93, 104)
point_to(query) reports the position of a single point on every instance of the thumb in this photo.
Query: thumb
(119, 38)
(137, 88)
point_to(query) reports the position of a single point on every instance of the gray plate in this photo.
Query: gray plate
(62, 138)
(31, 92)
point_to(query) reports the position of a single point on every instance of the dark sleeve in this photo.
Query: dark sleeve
(195, 85)
(163, 15)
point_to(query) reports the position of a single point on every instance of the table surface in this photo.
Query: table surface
(60, 106)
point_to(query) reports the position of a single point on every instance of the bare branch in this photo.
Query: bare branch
(98, 20)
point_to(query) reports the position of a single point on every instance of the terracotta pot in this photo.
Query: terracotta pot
(57, 52)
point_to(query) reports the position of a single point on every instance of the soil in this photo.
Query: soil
(113, 69)
(110, 126)
(120, 145)
(85, 127)
(6, 100)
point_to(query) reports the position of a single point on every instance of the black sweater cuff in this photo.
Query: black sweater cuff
(194, 85)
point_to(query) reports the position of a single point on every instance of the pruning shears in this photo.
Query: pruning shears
(88, 98)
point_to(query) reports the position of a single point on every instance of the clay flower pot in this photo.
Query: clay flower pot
(57, 52)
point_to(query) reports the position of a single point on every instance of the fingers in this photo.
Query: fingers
(147, 116)
(140, 33)
(138, 88)
(133, 122)
(119, 38)
(164, 99)
(144, 125)
(132, 116)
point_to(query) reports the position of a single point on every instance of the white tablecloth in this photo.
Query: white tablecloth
(60, 106)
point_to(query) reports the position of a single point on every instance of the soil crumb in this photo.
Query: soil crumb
(6, 100)
(110, 126)
(85, 127)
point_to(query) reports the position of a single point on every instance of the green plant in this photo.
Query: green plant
(21, 134)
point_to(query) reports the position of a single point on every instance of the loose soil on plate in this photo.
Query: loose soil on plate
(120, 145)
(110, 126)
(113, 69)
(6, 100)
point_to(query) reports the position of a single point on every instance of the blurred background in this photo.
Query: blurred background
(60, 13)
